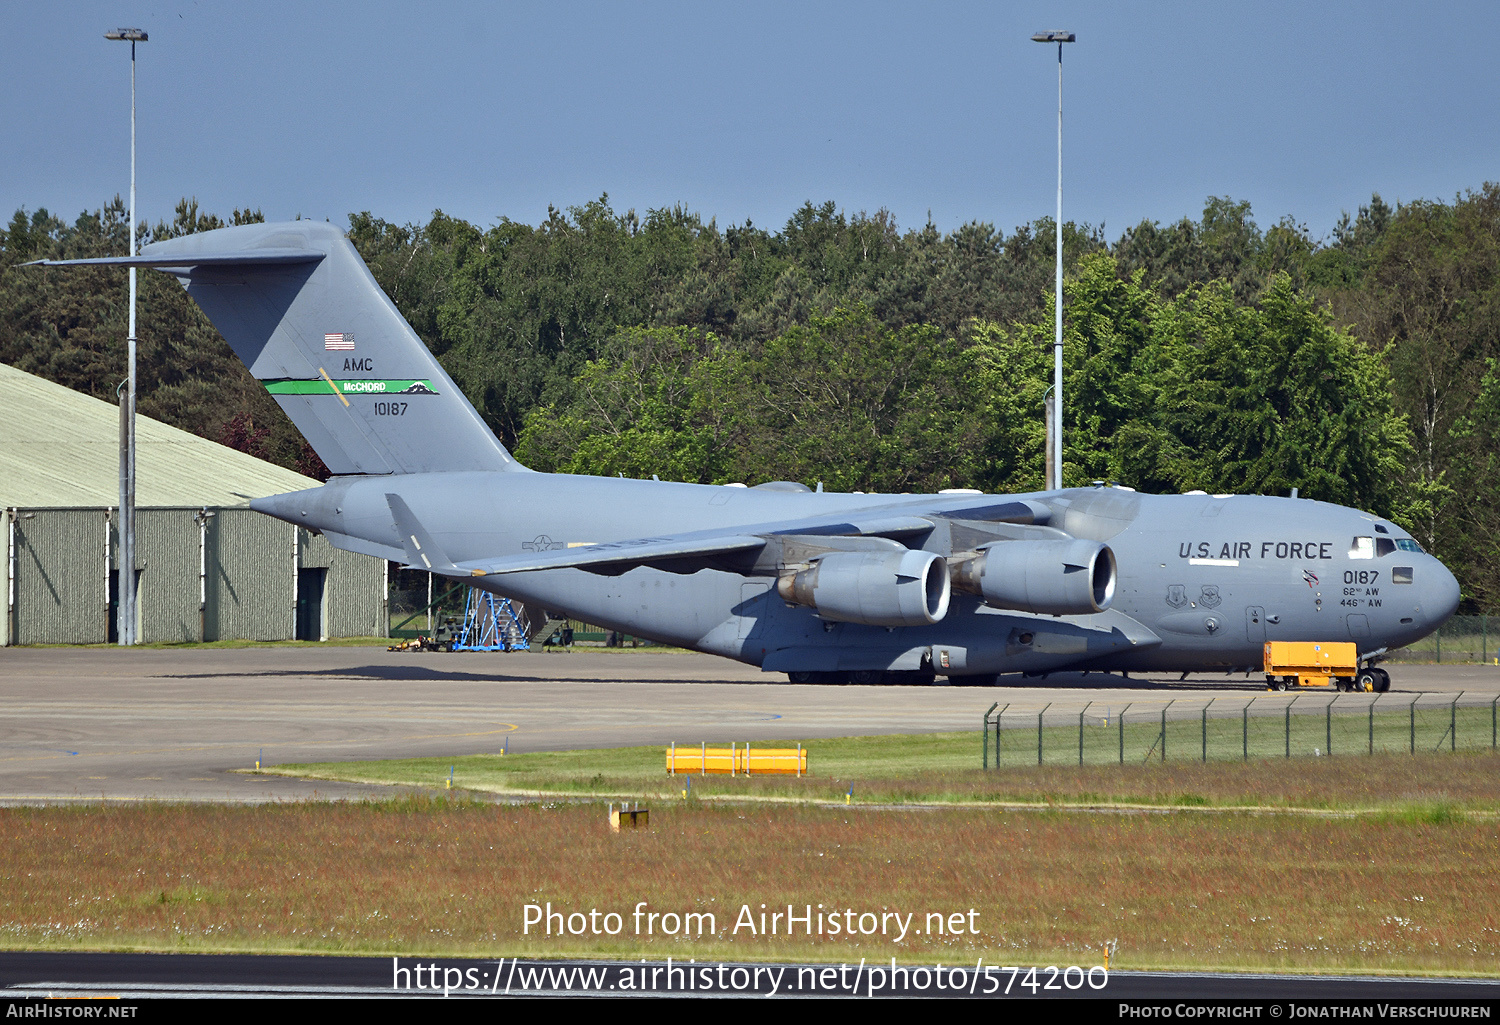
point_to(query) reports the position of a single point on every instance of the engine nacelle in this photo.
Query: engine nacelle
(909, 588)
(1054, 578)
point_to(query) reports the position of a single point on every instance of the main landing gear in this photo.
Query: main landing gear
(867, 677)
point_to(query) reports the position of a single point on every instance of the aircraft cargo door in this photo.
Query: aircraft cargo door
(1255, 625)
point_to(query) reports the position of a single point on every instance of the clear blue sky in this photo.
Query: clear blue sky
(746, 110)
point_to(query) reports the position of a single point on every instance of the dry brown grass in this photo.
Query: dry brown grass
(1235, 890)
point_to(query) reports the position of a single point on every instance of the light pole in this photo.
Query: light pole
(125, 574)
(1056, 461)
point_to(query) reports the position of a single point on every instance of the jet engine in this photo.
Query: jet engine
(1055, 578)
(895, 588)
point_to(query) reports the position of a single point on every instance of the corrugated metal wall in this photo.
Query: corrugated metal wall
(250, 577)
(166, 552)
(61, 558)
(348, 610)
(61, 581)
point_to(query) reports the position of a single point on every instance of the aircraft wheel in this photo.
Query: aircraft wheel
(1367, 681)
(981, 680)
(866, 677)
(1384, 683)
(807, 676)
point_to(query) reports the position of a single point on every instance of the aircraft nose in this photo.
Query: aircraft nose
(1441, 598)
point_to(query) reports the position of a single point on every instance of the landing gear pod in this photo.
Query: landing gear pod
(1055, 578)
(908, 588)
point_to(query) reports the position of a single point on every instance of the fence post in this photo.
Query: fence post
(1169, 704)
(1492, 723)
(1372, 723)
(1245, 728)
(1438, 637)
(1204, 716)
(985, 764)
(1080, 734)
(1453, 723)
(1413, 710)
(1289, 705)
(1328, 726)
(1039, 731)
(999, 716)
(1122, 730)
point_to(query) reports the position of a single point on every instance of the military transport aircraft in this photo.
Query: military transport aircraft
(824, 587)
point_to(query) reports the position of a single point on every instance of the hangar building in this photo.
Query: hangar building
(208, 568)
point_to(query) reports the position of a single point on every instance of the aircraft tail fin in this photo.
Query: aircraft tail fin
(300, 308)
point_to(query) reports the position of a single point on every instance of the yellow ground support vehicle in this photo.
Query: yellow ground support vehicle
(1319, 664)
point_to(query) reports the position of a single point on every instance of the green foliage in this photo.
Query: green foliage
(1206, 353)
(845, 400)
(70, 326)
(1427, 297)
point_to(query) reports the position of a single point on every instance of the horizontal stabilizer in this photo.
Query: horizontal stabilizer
(245, 258)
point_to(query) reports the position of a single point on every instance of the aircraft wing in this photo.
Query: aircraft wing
(617, 556)
(613, 555)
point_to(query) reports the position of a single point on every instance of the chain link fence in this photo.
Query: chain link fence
(1461, 639)
(1238, 728)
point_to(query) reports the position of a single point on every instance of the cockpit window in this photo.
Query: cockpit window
(1401, 575)
(1407, 544)
(1384, 546)
(1362, 548)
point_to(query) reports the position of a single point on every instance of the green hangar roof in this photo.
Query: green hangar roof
(61, 448)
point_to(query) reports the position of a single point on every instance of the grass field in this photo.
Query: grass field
(1398, 893)
(943, 769)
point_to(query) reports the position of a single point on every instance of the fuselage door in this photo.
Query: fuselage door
(1255, 624)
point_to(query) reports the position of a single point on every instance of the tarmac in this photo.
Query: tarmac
(168, 724)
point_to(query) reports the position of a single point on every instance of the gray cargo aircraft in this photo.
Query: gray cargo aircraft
(824, 587)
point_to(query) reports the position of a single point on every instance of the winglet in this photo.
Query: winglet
(421, 550)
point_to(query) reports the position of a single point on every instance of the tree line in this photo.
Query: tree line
(1208, 353)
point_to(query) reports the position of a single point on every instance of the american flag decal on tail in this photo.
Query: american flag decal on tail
(340, 340)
